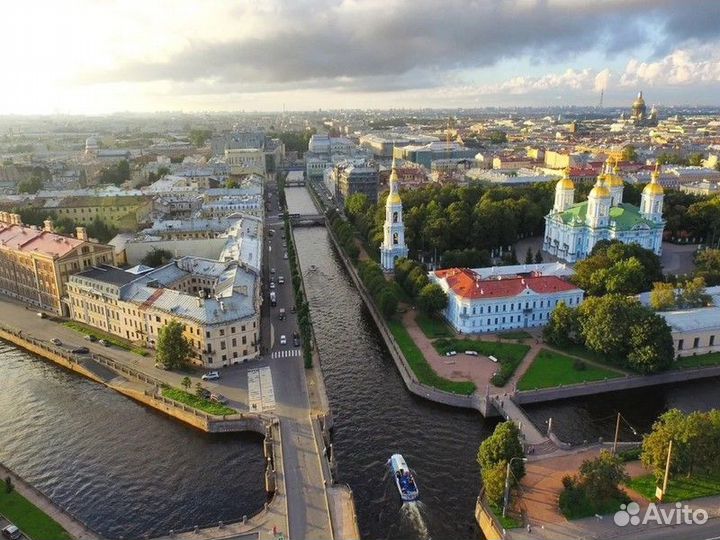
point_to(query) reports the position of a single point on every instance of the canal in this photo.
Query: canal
(123, 469)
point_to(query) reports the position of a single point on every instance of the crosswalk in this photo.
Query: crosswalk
(287, 353)
(261, 392)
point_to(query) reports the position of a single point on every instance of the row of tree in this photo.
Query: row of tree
(345, 234)
(116, 174)
(412, 277)
(382, 290)
(618, 327)
(303, 308)
(687, 295)
(494, 454)
(97, 229)
(707, 266)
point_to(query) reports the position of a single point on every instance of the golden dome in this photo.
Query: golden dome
(564, 184)
(393, 198)
(599, 192)
(639, 101)
(653, 188)
(613, 180)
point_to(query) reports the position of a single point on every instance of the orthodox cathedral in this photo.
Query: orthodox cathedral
(393, 246)
(572, 229)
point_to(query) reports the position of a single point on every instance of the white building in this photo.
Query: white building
(572, 229)
(515, 298)
(393, 246)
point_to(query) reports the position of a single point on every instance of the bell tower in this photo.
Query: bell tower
(393, 246)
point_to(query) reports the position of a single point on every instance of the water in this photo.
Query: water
(375, 416)
(121, 468)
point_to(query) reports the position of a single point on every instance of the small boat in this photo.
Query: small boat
(404, 479)
(313, 267)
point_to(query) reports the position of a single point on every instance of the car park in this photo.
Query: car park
(210, 376)
(80, 350)
(283, 340)
(56, 341)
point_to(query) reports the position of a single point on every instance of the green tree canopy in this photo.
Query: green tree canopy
(157, 257)
(432, 299)
(502, 446)
(173, 348)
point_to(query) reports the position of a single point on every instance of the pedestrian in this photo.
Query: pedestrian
(529, 529)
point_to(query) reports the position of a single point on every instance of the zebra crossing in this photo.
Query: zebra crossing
(287, 353)
(261, 392)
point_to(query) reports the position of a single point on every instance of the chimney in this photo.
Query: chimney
(49, 226)
(81, 233)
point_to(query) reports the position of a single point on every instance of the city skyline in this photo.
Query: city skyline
(224, 56)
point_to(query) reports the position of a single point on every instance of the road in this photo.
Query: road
(308, 514)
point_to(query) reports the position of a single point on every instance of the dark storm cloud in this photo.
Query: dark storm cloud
(412, 43)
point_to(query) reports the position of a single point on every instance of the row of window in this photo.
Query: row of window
(513, 319)
(550, 303)
(696, 343)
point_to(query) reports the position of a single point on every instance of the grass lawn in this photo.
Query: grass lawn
(550, 369)
(28, 518)
(702, 360)
(517, 334)
(195, 402)
(507, 522)
(433, 327)
(582, 352)
(509, 355)
(419, 365)
(680, 488)
(113, 340)
(582, 507)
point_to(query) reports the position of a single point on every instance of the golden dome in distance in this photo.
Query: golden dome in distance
(565, 183)
(613, 179)
(639, 101)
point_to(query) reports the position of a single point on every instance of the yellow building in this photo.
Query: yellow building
(35, 264)
(244, 161)
(124, 212)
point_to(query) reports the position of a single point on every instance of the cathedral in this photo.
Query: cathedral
(393, 246)
(639, 115)
(572, 229)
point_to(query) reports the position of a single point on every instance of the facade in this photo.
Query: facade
(522, 299)
(123, 211)
(428, 153)
(35, 265)
(704, 187)
(572, 229)
(393, 246)
(217, 302)
(245, 161)
(357, 178)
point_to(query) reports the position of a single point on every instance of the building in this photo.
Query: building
(520, 296)
(357, 177)
(125, 212)
(35, 264)
(393, 246)
(426, 154)
(704, 187)
(218, 304)
(572, 229)
(245, 161)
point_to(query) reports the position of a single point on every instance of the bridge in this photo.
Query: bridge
(307, 220)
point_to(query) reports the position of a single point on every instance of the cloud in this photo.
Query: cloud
(387, 45)
(681, 67)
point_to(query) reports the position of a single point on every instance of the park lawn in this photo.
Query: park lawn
(550, 369)
(99, 334)
(517, 334)
(585, 508)
(421, 368)
(433, 327)
(680, 487)
(509, 355)
(701, 360)
(191, 400)
(508, 522)
(28, 518)
(584, 352)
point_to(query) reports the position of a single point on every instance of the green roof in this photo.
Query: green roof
(625, 216)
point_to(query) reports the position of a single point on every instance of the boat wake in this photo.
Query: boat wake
(412, 512)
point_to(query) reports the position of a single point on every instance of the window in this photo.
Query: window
(207, 333)
(696, 343)
(680, 344)
(222, 331)
(232, 329)
(712, 341)
(222, 345)
(244, 340)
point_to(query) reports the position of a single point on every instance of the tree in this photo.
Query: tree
(356, 205)
(629, 153)
(432, 299)
(662, 297)
(172, 346)
(498, 137)
(199, 136)
(502, 446)
(9, 486)
(538, 257)
(32, 185)
(494, 482)
(563, 327)
(671, 426)
(529, 256)
(605, 322)
(651, 346)
(692, 294)
(601, 476)
(157, 257)
(199, 390)
(186, 383)
(626, 277)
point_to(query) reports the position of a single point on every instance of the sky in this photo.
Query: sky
(104, 56)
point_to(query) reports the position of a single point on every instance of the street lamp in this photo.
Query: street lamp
(507, 482)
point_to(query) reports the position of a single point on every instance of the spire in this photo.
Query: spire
(394, 195)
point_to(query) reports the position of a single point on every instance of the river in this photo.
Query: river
(123, 469)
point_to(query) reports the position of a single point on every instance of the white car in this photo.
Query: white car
(451, 353)
(272, 284)
(471, 353)
(211, 376)
(493, 359)
(285, 255)
(283, 340)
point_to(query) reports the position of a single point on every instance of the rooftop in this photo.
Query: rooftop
(27, 239)
(467, 284)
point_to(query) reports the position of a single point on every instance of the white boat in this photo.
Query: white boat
(404, 479)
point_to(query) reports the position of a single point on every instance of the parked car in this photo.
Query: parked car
(272, 271)
(104, 342)
(272, 284)
(218, 398)
(80, 350)
(451, 353)
(493, 359)
(205, 393)
(471, 353)
(210, 376)
(160, 365)
(296, 341)
(281, 316)
(41, 315)
(90, 337)
(11, 532)
(56, 341)
(281, 280)
(285, 255)
(283, 340)
(293, 309)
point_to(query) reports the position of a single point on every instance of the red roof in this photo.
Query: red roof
(463, 282)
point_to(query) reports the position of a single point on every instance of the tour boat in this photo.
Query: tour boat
(404, 479)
